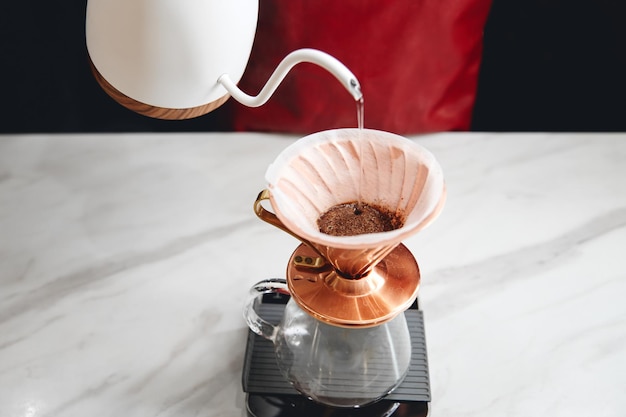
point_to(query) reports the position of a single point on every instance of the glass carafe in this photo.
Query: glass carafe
(338, 366)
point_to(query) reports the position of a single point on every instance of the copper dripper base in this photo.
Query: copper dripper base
(389, 289)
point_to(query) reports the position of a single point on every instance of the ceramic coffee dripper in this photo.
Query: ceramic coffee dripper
(342, 340)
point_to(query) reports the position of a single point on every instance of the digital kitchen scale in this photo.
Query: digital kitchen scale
(269, 394)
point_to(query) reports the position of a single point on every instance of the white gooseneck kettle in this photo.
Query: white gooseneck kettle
(175, 60)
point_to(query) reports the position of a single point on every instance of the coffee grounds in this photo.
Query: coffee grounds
(356, 218)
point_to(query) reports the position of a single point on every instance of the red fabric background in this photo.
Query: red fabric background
(417, 62)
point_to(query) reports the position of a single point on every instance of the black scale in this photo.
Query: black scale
(269, 394)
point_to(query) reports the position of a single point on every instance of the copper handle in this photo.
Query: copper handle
(268, 216)
(271, 218)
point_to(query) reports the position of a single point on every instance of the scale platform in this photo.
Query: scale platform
(269, 394)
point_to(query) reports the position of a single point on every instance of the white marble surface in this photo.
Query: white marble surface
(125, 260)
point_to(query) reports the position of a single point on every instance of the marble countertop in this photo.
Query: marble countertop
(125, 261)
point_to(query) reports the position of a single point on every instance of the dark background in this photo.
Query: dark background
(553, 65)
(548, 65)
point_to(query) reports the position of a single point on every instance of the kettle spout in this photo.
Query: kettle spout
(314, 56)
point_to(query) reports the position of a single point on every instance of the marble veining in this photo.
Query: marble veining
(125, 261)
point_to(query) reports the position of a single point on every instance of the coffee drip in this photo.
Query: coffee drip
(365, 279)
(343, 321)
